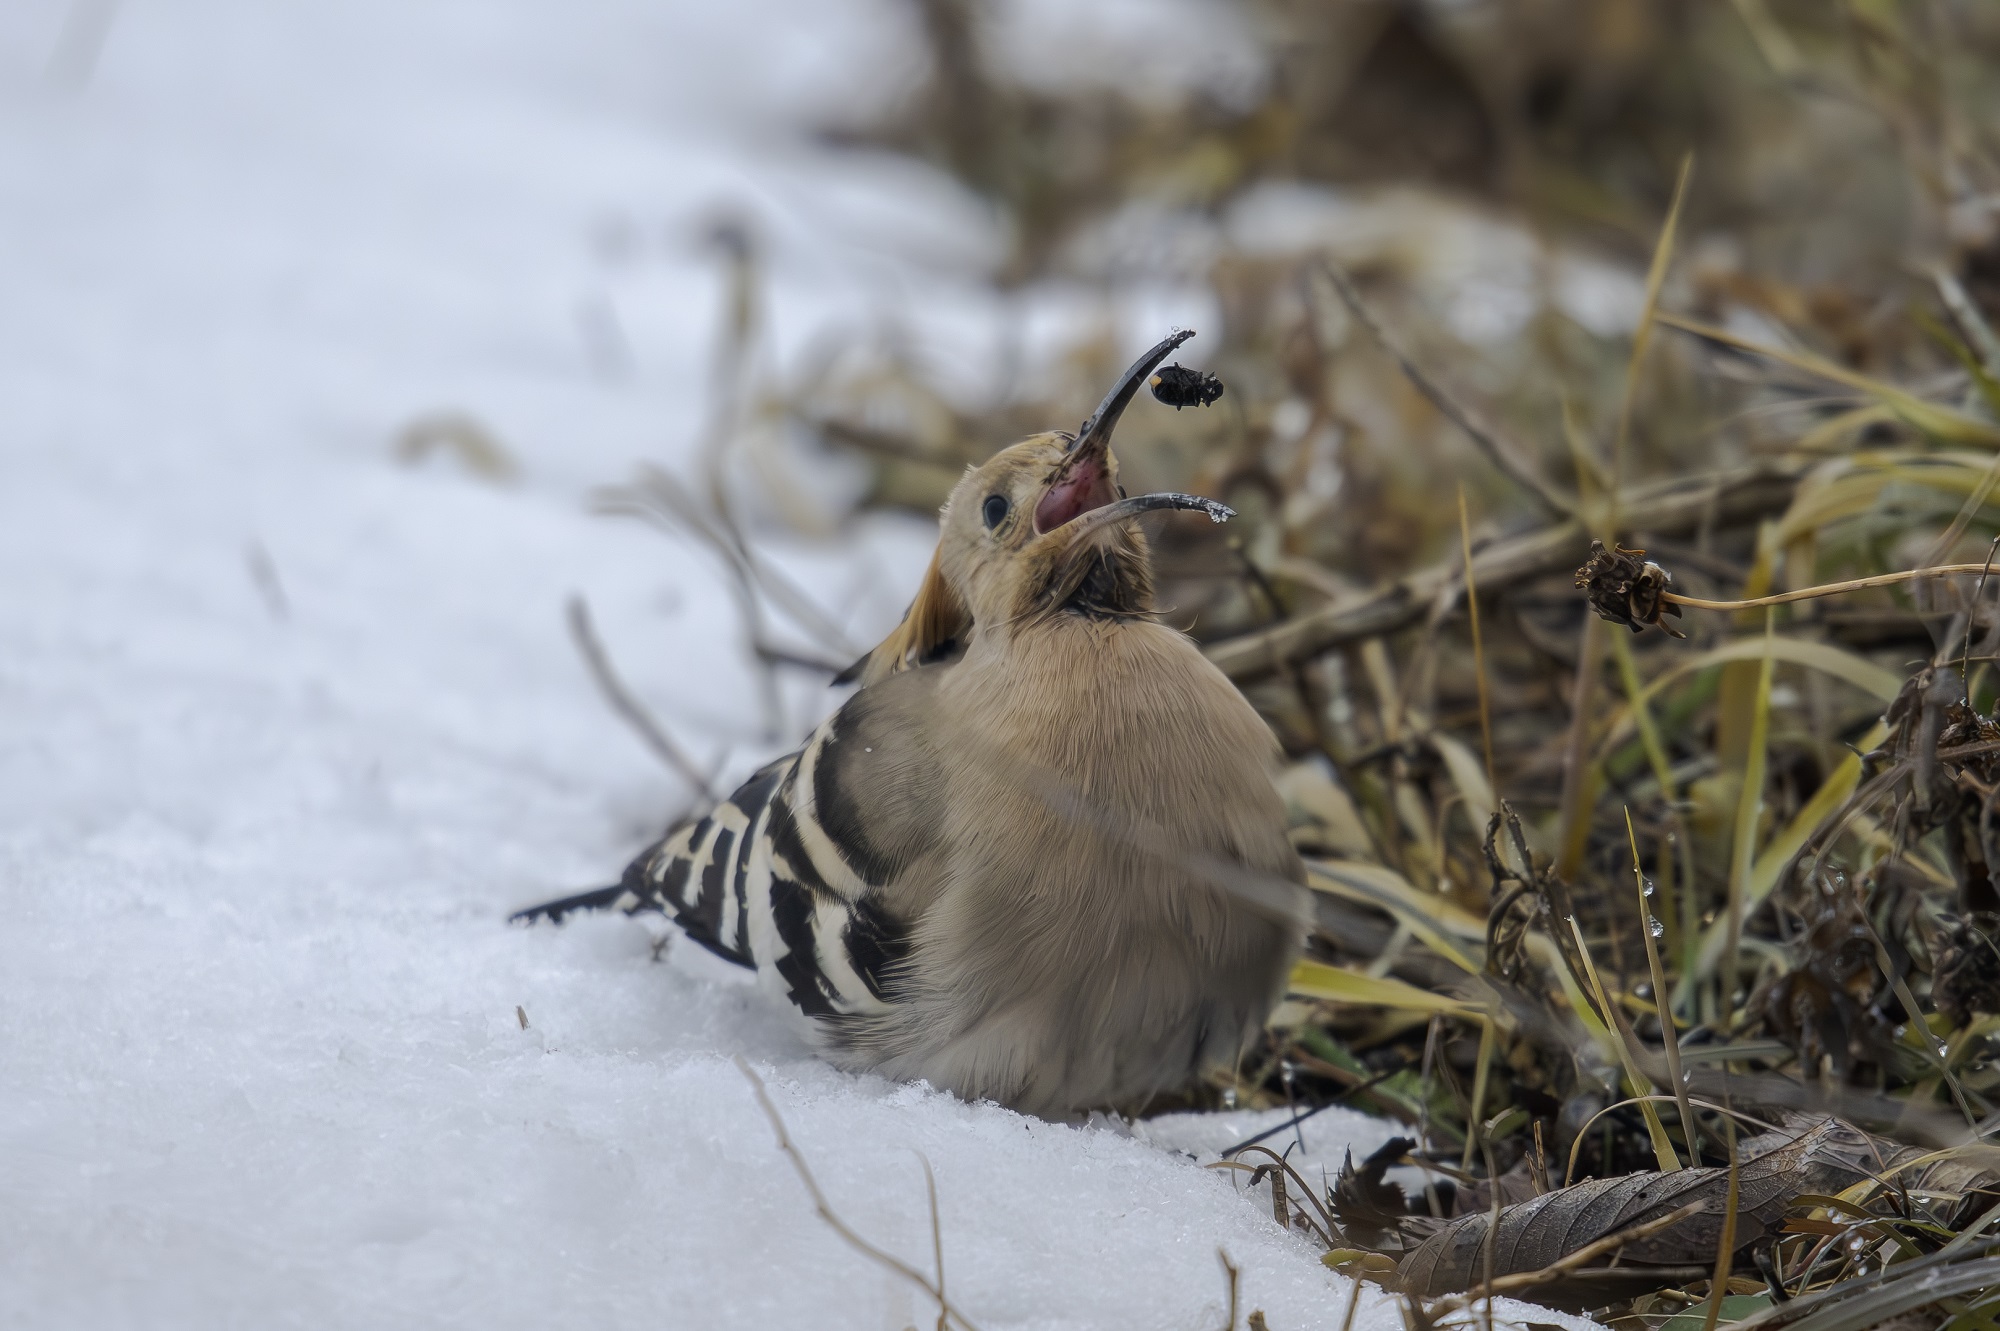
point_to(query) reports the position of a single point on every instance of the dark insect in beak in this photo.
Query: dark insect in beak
(1095, 435)
(1178, 386)
(1082, 482)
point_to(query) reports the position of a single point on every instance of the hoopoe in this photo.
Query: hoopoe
(1038, 857)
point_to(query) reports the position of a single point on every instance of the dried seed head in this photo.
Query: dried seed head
(1178, 386)
(1626, 588)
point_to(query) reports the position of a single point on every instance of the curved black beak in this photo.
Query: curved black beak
(1095, 434)
(1087, 526)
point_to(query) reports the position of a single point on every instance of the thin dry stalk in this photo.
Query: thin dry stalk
(1579, 788)
(1492, 1229)
(1831, 588)
(1725, 1248)
(1673, 507)
(1972, 616)
(628, 707)
(937, 1233)
(1668, 1036)
(834, 1222)
(1642, 337)
(1353, 1305)
(659, 498)
(1966, 513)
(1477, 1104)
(1478, 645)
(1506, 456)
(1576, 1147)
(1579, 782)
(1663, 1149)
(1424, 1114)
(1280, 1166)
(1749, 805)
(1968, 318)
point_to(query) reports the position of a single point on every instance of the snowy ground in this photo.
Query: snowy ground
(286, 728)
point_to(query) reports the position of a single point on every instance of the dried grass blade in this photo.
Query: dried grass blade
(1932, 419)
(1970, 321)
(1473, 782)
(1827, 433)
(1966, 512)
(1478, 651)
(1550, 957)
(1779, 852)
(1353, 1305)
(1582, 775)
(1824, 657)
(1663, 1146)
(1896, 579)
(1422, 913)
(1725, 1248)
(1316, 979)
(1649, 734)
(1895, 1290)
(1642, 336)
(937, 1238)
(1749, 807)
(1473, 1113)
(1668, 1036)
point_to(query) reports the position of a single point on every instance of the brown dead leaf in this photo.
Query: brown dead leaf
(1539, 1233)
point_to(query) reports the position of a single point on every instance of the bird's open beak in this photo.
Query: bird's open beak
(1082, 482)
(1097, 519)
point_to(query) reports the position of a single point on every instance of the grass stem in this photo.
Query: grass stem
(1668, 1035)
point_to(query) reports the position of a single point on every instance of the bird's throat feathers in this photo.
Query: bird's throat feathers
(1109, 576)
(1105, 575)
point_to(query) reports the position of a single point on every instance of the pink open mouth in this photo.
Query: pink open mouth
(1087, 485)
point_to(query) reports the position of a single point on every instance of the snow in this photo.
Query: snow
(289, 727)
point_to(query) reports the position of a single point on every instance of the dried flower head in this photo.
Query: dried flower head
(1627, 588)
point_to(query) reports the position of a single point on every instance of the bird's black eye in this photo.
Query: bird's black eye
(994, 509)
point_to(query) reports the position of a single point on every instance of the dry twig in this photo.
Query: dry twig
(1505, 455)
(628, 707)
(834, 1222)
(1669, 508)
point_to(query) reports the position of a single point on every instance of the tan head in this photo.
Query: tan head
(1041, 528)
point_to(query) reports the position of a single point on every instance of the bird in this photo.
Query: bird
(1038, 858)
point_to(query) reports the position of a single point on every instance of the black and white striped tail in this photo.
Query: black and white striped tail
(604, 898)
(698, 874)
(758, 881)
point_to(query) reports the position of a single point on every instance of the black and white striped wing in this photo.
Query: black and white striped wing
(795, 873)
(700, 873)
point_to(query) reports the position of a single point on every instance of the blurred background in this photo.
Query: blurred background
(817, 261)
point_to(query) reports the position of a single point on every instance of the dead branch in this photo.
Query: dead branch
(1671, 507)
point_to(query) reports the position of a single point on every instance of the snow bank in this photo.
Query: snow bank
(289, 727)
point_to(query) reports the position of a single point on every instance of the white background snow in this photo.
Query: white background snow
(259, 1058)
